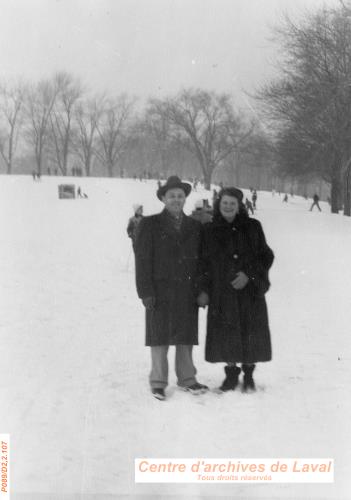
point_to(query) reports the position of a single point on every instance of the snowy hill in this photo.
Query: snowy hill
(74, 370)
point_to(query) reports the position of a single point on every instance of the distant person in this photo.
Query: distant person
(254, 198)
(80, 193)
(249, 206)
(285, 199)
(315, 202)
(134, 221)
(39, 176)
(201, 213)
(34, 175)
(214, 197)
(207, 207)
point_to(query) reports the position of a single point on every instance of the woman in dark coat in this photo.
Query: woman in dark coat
(236, 260)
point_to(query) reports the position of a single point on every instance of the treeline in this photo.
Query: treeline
(61, 127)
(306, 117)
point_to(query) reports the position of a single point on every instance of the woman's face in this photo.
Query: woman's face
(229, 207)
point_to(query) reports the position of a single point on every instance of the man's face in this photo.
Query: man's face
(174, 200)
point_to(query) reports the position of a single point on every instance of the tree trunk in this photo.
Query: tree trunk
(238, 174)
(347, 201)
(335, 194)
(110, 169)
(87, 166)
(207, 170)
(236, 169)
(9, 163)
(39, 162)
(207, 180)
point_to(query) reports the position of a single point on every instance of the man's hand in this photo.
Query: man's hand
(203, 299)
(240, 281)
(149, 302)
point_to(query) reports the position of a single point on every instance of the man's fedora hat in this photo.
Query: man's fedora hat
(173, 182)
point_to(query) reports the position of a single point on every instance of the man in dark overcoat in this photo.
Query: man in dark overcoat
(167, 271)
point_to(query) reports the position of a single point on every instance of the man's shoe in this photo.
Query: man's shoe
(196, 389)
(158, 394)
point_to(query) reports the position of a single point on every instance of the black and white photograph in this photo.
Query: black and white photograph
(175, 242)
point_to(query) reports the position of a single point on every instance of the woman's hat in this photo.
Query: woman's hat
(173, 182)
(232, 191)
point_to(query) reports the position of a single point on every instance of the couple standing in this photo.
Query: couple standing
(182, 265)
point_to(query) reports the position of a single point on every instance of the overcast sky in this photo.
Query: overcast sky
(144, 47)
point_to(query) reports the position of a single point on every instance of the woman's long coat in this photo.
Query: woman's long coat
(237, 321)
(167, 268)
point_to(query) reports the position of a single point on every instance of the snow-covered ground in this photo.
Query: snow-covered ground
(74, 392)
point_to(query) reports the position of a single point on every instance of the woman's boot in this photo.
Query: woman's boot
(249, 383)
(231, 380)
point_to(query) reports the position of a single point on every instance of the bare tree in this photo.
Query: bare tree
(156, 128)
(151, 150)
(87, 116)
(69, 91)
(112, 131)
(310, 104)
(40, 99)
(205, 123)
(11, 119)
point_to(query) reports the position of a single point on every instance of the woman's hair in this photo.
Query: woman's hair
(234, 193)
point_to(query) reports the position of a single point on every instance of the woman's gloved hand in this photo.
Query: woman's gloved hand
(240, 281)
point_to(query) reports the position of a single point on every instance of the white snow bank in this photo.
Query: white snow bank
(74, 370)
